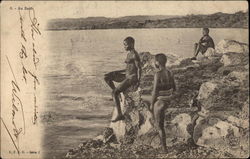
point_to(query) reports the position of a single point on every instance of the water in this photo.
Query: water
(77, 100)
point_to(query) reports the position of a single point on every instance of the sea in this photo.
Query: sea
(77, 102)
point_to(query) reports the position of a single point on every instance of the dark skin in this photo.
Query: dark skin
(158, 106)
(198, 46)
(130, 48)
(128, 77)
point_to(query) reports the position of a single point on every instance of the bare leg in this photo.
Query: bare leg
(159, 117)
(119, 116)
(117, 76)
(109, 81)
(196, 50)
(125, 84)
(120, 88)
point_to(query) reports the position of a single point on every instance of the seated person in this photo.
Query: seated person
(164, 86)
(128, 77)
(205, 42)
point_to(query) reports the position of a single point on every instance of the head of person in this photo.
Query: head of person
(205, 31)
(160, 60)
(129, 43)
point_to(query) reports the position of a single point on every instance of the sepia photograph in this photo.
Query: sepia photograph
(124, 79)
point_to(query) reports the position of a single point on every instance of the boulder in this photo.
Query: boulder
(137, 117)
(240, 76)
(223, 117)
(210, 107)
(232, 58)
(130, 103)
(213, 132)
(179, 126)
(206, 90)
(224, 135)
(225, 46)
(210, 52)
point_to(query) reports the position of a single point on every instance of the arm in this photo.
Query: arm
(155, 91)
(205, 41)
(138, 66)
(173, 82)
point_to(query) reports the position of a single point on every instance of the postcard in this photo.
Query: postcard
(124, 79)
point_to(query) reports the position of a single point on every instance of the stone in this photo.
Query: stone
(213, 132)
(225, 46)
(210, 52)
(232, 58)
(244, 114)
(180, 124)
(210, 107)
(243, 123)
(129, 102)
(240, 76)
(206, 90)
(147, 125)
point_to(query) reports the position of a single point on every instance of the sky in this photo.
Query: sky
(77, 9)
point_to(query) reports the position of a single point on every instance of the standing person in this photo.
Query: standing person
(128, 77)
(205, 42)
(164, 86)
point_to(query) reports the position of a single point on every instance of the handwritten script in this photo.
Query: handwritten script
(28, 56)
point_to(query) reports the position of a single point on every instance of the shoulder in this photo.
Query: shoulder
(209, 37)
(136, 55)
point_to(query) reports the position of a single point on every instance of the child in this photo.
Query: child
(128, 77)
(205, 42)
(164, 86)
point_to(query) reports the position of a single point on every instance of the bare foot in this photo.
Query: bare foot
(119, 117)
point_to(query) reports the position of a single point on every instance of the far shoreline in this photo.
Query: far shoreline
(141, 28)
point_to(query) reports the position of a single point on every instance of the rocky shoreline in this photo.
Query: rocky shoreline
(208, 117)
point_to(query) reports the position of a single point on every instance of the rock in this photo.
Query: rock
(243, 123)
(226, 46)
(209, 109)
(129, 104)
(244, 114)
(213, 132)
(232, 58)
(186, 62)
(147, 61)
(223, 94)
(179, 126)
(147, 125)
(206, 90)
(240, 76)
(210, 52)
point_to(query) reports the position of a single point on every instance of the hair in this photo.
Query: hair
(161, 58)
(130, 40)
(206, 29)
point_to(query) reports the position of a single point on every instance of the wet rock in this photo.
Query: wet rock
(225, 46)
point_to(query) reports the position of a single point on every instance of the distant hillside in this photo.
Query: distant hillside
(217, 20)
